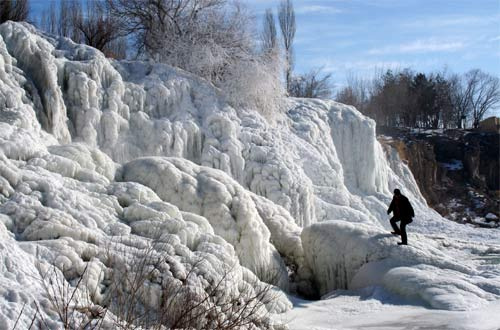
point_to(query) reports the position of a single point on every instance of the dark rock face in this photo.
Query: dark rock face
(457, 171)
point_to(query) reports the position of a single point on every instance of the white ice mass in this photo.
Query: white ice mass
(100, 158)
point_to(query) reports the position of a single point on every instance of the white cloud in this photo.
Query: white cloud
(419, 46)
(317, 9)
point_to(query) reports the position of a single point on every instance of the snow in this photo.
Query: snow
(485, 222)
(228, 208)
(104, 161)
(344, 255)
(490, 216)
(373, 308)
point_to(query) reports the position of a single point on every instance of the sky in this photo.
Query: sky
(361, 37)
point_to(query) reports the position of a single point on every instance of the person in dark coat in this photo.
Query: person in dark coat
(402, 211)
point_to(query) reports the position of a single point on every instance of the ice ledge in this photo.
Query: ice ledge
(346, 255)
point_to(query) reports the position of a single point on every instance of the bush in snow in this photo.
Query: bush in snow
(254, 83)
(145, 294)
(313, 84)
(72, 304)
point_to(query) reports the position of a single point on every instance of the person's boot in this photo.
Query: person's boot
(395, 233)
(401, 243)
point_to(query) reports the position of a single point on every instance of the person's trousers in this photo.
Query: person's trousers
(401, 230)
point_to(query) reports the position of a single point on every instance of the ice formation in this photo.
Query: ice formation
(352, 256)
(100, 158)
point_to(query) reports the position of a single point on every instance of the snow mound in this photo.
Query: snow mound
(82, 224)
(344, 255)
(228, 207)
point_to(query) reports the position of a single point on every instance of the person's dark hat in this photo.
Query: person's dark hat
(397, 192)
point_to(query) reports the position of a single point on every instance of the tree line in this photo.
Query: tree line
(437, 100)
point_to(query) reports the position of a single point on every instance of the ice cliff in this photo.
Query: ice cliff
(99, 158)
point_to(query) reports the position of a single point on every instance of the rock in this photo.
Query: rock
(457, 171)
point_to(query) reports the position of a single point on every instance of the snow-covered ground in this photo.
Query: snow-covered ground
(102, 161)
(380, 311)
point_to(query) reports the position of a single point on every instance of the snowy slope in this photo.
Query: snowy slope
(100, 160)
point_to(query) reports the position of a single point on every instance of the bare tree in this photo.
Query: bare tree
(484, 93)
(117, 48)
(392, 102)
(286, 17)
(181, 305)
(347, 95)
(65, 19)
(269, 36)
(76, 16)
(314, 84)
(72, 304)
(356, 93)
(14, 10)
(405, 98)
(62, 22)
(461, 100)
(49, 20)
(97, 26)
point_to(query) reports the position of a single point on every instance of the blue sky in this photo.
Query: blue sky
(362, 36)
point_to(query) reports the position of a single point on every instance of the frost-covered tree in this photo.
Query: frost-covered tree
(210, 38)
(286, 17)
(14, 10)
(200, 36)
(255, 83)
(269, 35)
